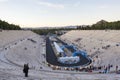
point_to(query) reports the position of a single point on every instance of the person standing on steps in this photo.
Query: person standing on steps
(25, 69)
(116, 68)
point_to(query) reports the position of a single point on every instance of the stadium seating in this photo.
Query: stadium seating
(102, 43)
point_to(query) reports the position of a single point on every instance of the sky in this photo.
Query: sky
(53, 13)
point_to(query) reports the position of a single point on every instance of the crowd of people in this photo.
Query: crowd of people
(101, 69)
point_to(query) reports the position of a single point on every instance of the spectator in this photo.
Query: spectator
(116, 68)
(25, 69)
(109, 66)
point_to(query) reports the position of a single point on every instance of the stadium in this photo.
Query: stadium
(66, 57)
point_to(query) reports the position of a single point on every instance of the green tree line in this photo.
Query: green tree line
(6, 26)
(102, 25)
(51, 31)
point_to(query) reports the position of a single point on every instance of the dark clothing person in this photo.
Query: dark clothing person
(116, 68)
(106, 69)
(25, 70)
(109, 66)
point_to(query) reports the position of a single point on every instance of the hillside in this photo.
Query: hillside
(6, 26)
(102, 25)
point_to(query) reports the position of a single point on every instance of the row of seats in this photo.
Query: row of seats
(102, 43)
(9, 36)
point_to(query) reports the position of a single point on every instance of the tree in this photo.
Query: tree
(6, 26)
